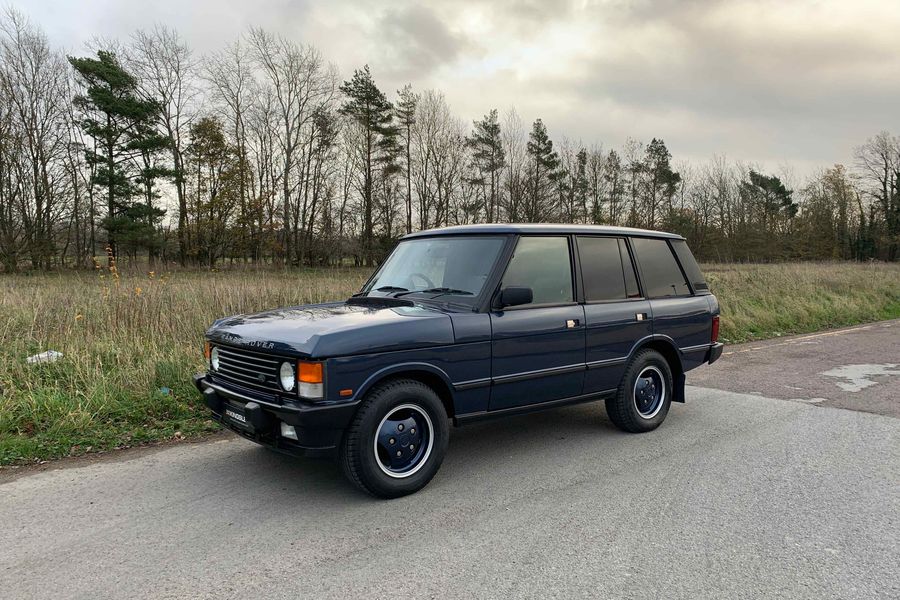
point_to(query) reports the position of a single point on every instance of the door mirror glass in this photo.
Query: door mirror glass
(515, 296)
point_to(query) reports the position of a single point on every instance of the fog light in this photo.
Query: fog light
(288, 431)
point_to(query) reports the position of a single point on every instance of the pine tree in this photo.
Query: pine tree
(544, 174)
(661, 182)
(121, 124)
(489, 160)
(368, 106)
(406, 118)
(771, 196)
(615, 185)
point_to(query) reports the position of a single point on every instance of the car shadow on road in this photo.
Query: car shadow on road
(476, 451)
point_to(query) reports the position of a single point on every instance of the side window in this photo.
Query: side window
(631, 285)
(601, 268)
(542, 263)
(661, 273)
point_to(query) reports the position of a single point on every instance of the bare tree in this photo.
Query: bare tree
(165, 69)
(33, 82)
(229, 73)
(300, 82)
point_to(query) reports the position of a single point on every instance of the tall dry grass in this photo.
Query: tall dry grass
(763, 301)
(132, 340)
(130, 344)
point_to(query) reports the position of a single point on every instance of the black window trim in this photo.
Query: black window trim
(641, 273)
(582, 298)
(508, 259)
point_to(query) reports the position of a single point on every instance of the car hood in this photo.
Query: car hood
(336, 329)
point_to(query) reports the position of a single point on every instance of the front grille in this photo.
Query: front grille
(249, 369)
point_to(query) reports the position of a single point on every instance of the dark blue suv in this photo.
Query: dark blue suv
(461, 324)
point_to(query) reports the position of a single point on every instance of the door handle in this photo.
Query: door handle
(572, 323)
(641, 316)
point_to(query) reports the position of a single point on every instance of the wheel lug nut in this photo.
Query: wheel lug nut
(399, 453)
(400, 427)
(412, 447)
(413, 430)
(391, 441)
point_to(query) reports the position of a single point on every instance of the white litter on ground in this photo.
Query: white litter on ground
(44, 357)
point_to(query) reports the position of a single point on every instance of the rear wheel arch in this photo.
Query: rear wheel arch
(670, 352)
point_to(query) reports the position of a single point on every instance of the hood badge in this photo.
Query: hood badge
(229, 338)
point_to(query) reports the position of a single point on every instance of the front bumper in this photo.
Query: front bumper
(319, 427)
(715, 351)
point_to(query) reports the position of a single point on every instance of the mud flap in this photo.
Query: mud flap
(678, 382)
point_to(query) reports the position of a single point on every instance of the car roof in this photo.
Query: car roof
(539, 228)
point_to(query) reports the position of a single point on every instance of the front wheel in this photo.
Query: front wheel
(642, 401)
(397, 440)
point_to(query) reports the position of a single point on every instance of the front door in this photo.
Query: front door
(538, 348)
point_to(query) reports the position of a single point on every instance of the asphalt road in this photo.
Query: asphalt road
(736, 496)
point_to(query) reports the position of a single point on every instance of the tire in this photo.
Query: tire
(401, 414)
(645, 393)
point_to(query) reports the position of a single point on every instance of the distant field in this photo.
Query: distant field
(132, 341)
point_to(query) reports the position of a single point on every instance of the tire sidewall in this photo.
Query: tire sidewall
(642, 361)
(383, 403)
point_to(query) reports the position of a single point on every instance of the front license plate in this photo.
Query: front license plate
(236, 416)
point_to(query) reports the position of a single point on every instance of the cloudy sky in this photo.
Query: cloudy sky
(770, 82)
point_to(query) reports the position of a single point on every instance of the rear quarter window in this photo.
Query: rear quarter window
(660, 272)
(689, 264)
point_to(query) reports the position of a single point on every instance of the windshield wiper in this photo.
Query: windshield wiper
(440, 291)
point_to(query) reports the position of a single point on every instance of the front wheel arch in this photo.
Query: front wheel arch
(433, 377)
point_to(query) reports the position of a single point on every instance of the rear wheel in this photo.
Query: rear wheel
(642, 401)
(397, 440)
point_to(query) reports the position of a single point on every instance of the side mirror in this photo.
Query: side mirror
(515, 296)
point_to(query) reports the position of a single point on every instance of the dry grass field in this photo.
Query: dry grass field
(132, 340)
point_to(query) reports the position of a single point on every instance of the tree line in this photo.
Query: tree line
(263, 153)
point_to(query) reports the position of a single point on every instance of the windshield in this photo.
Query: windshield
(457, 266)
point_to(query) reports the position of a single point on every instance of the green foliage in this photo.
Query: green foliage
(126, 144)
(370, 109)
(770, 194)
(544, 173)
(488, 160)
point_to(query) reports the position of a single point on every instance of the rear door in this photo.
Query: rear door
(616, 313)
(538, 348)
(678, 313)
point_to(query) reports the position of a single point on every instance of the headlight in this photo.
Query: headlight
(287, 376)
(214, 359)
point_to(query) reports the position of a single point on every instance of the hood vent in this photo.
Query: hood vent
(379, 301)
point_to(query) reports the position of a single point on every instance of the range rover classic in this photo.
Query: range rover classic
(462, 324)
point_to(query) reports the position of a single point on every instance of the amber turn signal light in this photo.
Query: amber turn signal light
(207, 350)
(309, 372)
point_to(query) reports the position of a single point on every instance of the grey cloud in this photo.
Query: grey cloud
(756, 79)
(415, 42)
